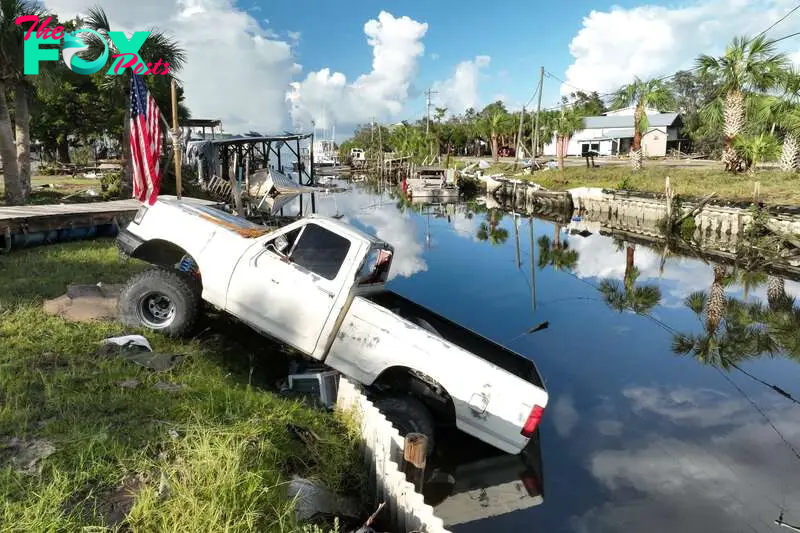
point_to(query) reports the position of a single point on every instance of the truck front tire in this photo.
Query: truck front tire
(408, 415)
(161, 299)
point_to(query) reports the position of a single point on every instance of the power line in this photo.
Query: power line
(795, 8)
(666, 77)
(535, 91)
(760, 411)
(785, 37)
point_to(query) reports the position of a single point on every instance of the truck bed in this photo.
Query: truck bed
(460, 336)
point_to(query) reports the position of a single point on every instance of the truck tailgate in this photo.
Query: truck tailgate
(494, 396)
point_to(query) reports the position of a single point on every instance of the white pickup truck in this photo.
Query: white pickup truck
(317, 285)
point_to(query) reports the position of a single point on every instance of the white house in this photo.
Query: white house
(612, 133)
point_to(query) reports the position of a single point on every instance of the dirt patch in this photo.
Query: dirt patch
(119, 502)
(86, 303)
(112, 505)
(24, 455)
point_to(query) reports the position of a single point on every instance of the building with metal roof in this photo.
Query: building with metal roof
(612, 134)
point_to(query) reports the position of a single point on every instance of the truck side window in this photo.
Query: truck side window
(321, 251)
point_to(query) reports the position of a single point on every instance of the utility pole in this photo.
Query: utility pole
(372, 130)
(428, 94)
(536, 120)
(519, 137)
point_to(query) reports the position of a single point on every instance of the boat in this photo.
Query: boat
(358, 158)
(433, 183)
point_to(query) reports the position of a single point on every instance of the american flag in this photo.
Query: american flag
(145, 142)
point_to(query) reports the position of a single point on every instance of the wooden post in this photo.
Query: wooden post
(756, 191)
(668, 193)
(518, 138)
(535, 139)
(415, 453)
(247, 172)
(175, 143)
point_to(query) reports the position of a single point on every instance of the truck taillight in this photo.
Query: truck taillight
(532, 422)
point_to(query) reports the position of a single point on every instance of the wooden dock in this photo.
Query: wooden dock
(36, 218)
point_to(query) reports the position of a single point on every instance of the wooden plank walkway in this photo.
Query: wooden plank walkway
(34, 218)
(33, 211)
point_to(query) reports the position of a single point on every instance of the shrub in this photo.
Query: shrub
(110, 184)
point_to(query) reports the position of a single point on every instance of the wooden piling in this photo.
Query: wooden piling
(415, 453)
(175, 142)
(669, 195)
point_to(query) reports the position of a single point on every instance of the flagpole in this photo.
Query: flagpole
(175, 140)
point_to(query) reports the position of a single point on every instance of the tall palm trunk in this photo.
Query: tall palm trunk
(636, 148)
(716, 302)
(8, 153)
(495, 147)
(776, 293)
(733, 115)
(557, 236)
(790, 152)
(629, 256)
(23, 126)
(560, 149)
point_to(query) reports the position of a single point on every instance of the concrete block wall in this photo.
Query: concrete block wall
(382, 451)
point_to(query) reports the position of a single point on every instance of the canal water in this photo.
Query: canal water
(661, 418)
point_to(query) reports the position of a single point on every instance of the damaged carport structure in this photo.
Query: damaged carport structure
(253, 170)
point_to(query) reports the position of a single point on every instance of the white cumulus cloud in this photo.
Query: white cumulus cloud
(237, 69)
(460, 91)
(653, 40)
(325, 96)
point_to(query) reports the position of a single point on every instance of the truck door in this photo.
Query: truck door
(288, 287)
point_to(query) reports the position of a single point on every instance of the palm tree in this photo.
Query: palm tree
(787, 114)
(636, 298)
(753, 149)
(750, 280)
(748, 65)
(716, 301)
(495, 236)
(642, 94)
(158, 45)
(496, 125)
(559, 257)
(640, 299)
(489, 230)
(729, 339)
(777, 299)
(567, 123)
(15, 154)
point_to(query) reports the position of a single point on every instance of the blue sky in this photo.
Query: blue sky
(517, 38)
(270, 66)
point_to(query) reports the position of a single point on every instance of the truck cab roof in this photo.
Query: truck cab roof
(351, 231)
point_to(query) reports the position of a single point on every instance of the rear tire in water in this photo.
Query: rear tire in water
(408, 415)
(160, 299)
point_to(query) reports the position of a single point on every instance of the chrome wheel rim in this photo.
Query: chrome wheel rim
(156, 310)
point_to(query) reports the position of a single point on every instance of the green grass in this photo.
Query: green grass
(220, 446)
(60, 187)
(777, 188)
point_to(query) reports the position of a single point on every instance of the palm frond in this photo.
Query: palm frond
(683, 344)
(98, 20)
(696, 301)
